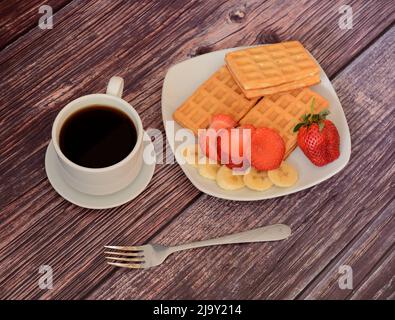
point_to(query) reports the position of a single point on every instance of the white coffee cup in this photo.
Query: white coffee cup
(100, 181)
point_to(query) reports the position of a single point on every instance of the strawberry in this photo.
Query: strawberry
(222, 121)
(267, 149)
(246, 136)
(234, 146)
(208, 138)
(318, 138)
(248, 126)
(208, 143)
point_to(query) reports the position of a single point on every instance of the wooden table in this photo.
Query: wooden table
(346, 220)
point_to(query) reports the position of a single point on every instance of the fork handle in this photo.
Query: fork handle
(269, 233)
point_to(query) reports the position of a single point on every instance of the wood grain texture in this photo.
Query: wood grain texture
(374, 244)
(92, 41)
(18, 17)
(348, 219)
(377, 285)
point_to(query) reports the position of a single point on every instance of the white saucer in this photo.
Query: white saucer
(97, 202)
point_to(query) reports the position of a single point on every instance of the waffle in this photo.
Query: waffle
(220, 94)
(271, 65)
(283, 111)
(257, 93)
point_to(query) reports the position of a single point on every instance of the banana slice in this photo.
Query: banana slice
(284, 176)
(191, 154)
(227, 180)
(257, 180)
(208, 170)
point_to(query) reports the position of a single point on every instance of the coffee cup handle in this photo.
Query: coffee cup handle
(115, 87)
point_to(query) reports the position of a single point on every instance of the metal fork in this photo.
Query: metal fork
(151, 255)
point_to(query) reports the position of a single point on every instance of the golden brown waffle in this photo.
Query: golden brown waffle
(307, 82)
(283, 111)
(271, 65)
(220, 94)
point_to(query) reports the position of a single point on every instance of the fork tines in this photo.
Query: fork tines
(126, 255)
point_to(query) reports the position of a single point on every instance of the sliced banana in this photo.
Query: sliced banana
(191, 154)
(285, 176)
(257, 180)
(227, 180)
(208, 170)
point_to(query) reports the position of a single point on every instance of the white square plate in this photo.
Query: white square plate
(184, 78)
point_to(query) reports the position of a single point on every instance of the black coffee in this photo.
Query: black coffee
(97, 137)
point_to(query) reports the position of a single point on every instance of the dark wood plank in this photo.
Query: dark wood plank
(347, 219)
(92, 41)
(18, 17)
(365, 254)
(381, 283)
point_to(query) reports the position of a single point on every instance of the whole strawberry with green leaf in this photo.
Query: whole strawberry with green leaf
(318, 138)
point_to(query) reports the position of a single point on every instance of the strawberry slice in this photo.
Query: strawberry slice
(267, 149)
(208, 138)
(208, 143)
(222, 121)
(234, 147)
(248, 126)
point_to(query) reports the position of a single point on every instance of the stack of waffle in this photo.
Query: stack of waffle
(272, 69)
(279, 74)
